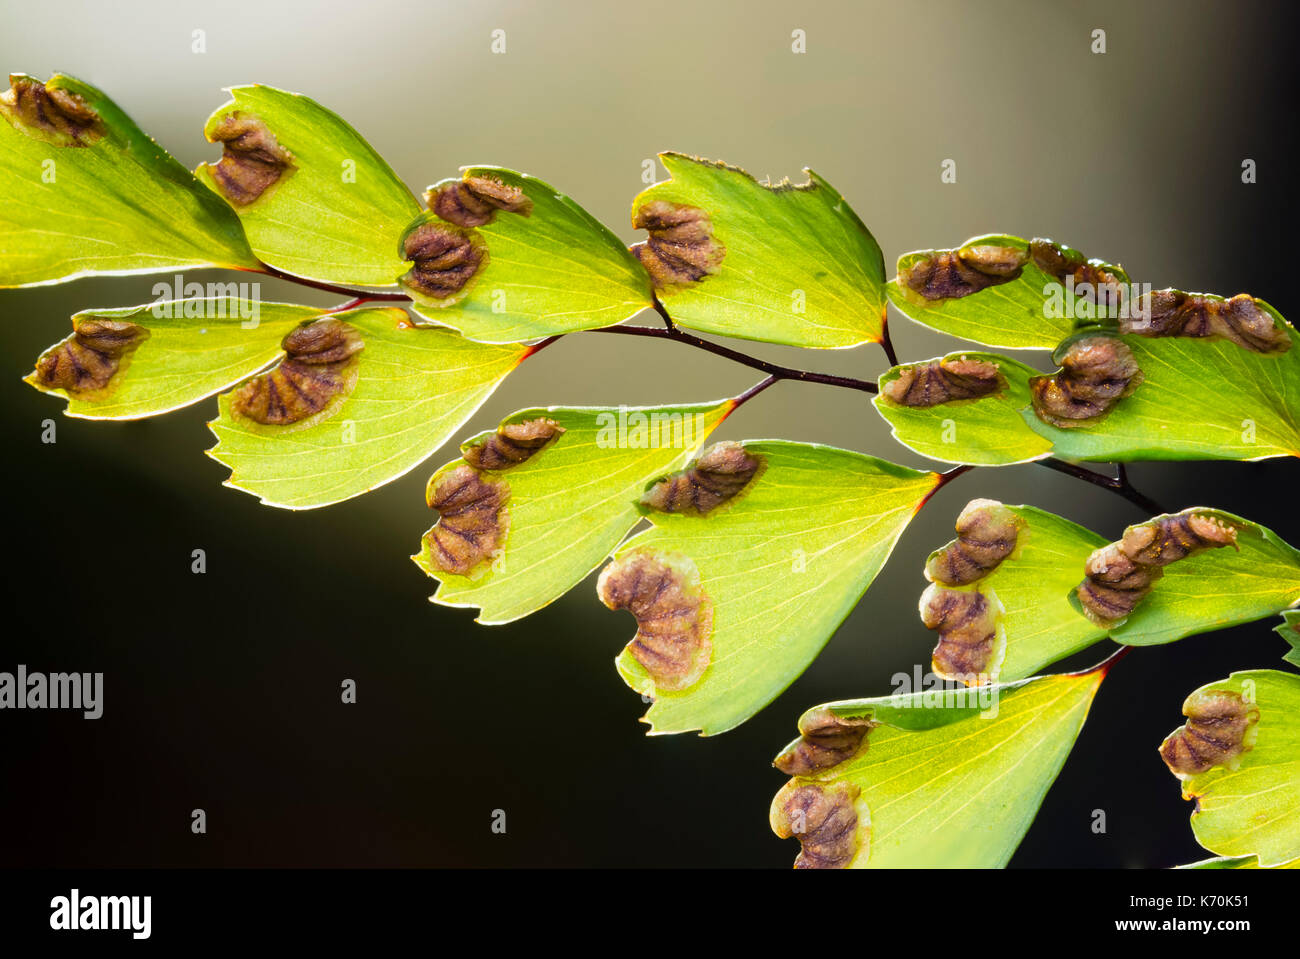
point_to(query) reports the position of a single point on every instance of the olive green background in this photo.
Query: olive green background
(222, 690)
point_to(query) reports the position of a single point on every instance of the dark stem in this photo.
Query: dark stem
(358, 296)
(753, 391)
(773, 369)
(885, 342)
(1105, 665)
(775, 372)
(1117, 484)
(663, 315)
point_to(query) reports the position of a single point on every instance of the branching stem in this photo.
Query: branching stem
(775, 373)
(1118, 484)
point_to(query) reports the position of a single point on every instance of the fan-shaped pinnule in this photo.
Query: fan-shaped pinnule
(88, 360)
(1121, 574)
(674, 617)
(1220, 726)
(319, 369)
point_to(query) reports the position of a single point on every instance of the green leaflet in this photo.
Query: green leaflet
(1030, 594)
(988, 431)
(194, 348)
(1217, 588)
(1035, 310)
(956, 785)
(1237, 862)
(118, 203)
(1198, 399)
(1289, 629)
(554, 270)
(571, 502)
(796, 264)
(780, 566)
(414, 388)
(1250, 806)
(337, 214)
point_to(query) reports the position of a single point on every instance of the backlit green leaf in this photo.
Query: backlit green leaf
(779, 568)
(194, 348)
(572, 502)
(1248, 805)
(987, 431)
(1217, 588)
(781, 263)
(335, 213)
(85, 195)
(414, 389)
(1028, 595)
(1289, 629)
(1198, 399)
(940, 779)
(552, 269)
(1033, 310)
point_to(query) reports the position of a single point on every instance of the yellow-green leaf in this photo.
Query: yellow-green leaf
(335, 211)
(86, 196)
(784, 263)
(571, 502)
(414, 388)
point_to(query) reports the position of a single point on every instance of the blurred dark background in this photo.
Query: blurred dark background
(222, 690)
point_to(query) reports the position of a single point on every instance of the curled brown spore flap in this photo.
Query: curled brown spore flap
(48, 113)
(825, 740)
(681, 248)
(987, 533)
(957, 273)
(1220, 727)
(824, 818)
(717, 477)
(252, 160)
(944, 381)
(1062, 263)
(969, 647)
(674, 617)
(1119, 575)
(512, 444)
(473, 520)
(88, 360)
(1096, 373)
(475, 200)
(444, 260)
(1240, 320)
(319, 367)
